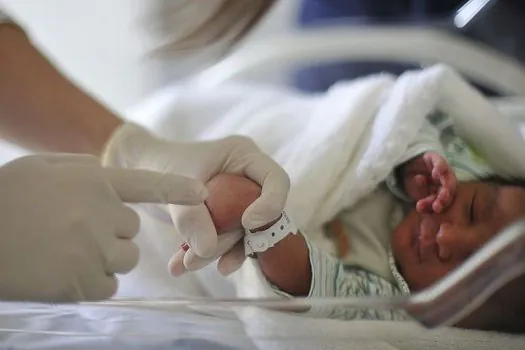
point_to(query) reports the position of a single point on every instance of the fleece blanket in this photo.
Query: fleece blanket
(337, 147)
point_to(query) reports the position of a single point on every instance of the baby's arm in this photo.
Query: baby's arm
(286, 265)
(328, 277)
(294, 266)
(322, 276)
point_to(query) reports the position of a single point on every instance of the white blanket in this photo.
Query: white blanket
(336, 147)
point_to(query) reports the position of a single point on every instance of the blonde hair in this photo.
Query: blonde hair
(182, 26)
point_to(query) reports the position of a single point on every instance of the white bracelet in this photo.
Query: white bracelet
(260, 241)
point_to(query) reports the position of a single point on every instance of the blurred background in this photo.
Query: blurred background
(102, 45)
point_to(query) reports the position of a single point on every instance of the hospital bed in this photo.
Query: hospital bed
(31, 326)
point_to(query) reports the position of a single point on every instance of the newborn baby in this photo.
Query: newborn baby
(438, 206)
(427, 244)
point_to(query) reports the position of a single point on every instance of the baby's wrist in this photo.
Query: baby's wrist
(265, 227)
(255, 255)
(266, 237)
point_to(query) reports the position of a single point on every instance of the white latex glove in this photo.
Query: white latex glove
(230, 255)
(133, 147)
(65, 230)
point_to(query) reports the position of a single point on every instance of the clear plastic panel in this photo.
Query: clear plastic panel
(202, 323)
(445, 303)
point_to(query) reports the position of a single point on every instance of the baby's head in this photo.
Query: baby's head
(428, 246)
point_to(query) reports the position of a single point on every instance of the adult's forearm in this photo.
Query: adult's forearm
(287, 265)
(42, 110)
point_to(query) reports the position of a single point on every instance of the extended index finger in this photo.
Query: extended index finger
(144, 186)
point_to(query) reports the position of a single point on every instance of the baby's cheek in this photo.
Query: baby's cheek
(229, 196)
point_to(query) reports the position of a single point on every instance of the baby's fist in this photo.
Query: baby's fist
(228, 197)
(430, 181)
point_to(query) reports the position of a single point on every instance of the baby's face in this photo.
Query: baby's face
(428, 246)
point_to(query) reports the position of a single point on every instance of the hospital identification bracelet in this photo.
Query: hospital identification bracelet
(261, 241)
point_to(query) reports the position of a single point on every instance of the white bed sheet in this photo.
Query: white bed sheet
(88, 327)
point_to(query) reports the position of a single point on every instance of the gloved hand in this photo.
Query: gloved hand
(65, 230)
(228, 197)
(133, 147)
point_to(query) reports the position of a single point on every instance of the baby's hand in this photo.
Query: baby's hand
(430, 181)
(228, 197)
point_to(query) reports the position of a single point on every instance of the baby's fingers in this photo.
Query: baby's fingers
(442, 201)
(435, 162)
(446, 192)
(441, 174)
(422, 186)
(425, 205)
(445, 196)
(450, 183)
(417, 187)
